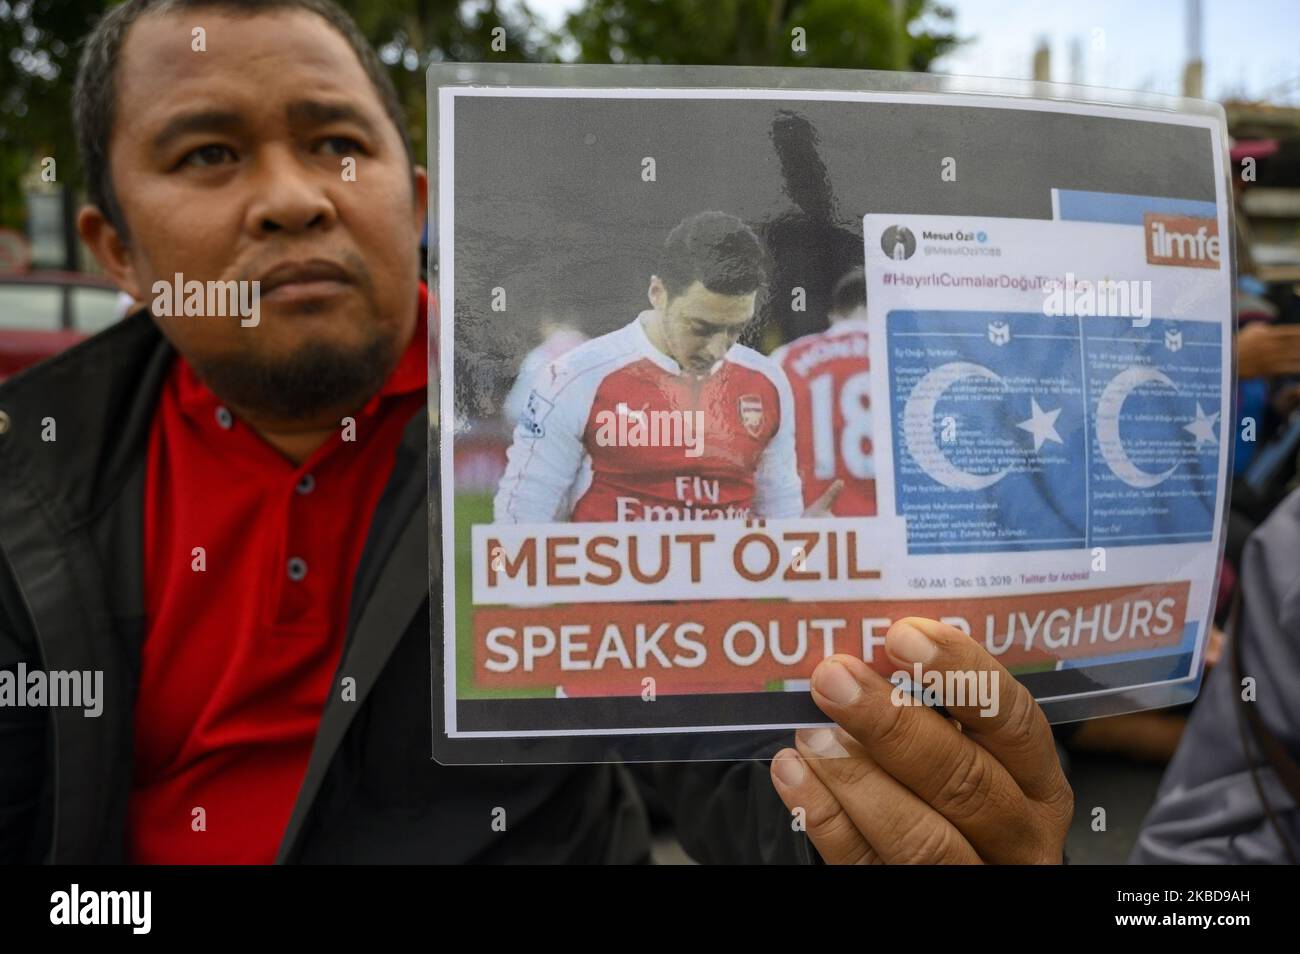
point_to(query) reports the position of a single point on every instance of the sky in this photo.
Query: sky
(1251, 48)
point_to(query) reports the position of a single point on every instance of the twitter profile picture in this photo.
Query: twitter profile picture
(898, 242)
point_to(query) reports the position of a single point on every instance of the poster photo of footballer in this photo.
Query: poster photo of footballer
(668, 417)
(615, 363)
(665, 468)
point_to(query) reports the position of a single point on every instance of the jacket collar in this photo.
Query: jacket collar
(97, 399)
(101, 396)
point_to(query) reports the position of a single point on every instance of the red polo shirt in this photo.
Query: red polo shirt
(243, 641)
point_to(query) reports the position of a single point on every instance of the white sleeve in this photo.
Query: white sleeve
(546, 454)
(778, 492)
(513, 406)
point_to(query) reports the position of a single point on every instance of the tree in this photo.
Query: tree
(41, 39)
(857, 34)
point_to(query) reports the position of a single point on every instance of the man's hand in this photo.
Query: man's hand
(822, 505)
(1268, 351)
(901, 784)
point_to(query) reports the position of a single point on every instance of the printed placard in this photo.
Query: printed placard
(731, 379)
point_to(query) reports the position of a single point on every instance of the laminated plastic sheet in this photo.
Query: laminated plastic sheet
(1030, 420)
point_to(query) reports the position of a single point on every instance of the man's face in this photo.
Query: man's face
(228, 163)
(700, 326)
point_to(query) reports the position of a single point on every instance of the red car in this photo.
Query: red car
(41, 313)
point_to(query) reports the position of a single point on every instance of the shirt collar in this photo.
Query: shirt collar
(651, 350)
(846, 325)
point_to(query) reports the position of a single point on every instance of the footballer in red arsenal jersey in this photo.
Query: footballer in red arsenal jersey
(829, 379)
(669, 417)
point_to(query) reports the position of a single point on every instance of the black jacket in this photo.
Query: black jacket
(71, 598)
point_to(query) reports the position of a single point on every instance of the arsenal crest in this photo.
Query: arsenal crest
(751, 413)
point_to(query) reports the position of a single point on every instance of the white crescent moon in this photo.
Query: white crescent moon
(918, 426)
(1109, 407)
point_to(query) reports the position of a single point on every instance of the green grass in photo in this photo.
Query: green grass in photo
(473, 508)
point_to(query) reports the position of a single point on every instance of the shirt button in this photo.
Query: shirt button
(297, 569)
(225, 419)
(306, 485)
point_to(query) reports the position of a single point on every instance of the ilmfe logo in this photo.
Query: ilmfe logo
(1181, 240)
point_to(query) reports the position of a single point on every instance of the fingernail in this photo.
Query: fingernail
(837, 684)
(822, 742)
(789, 768)
(909, 644)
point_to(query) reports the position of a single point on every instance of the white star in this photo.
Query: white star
(1042, 424)
(1203, 427)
